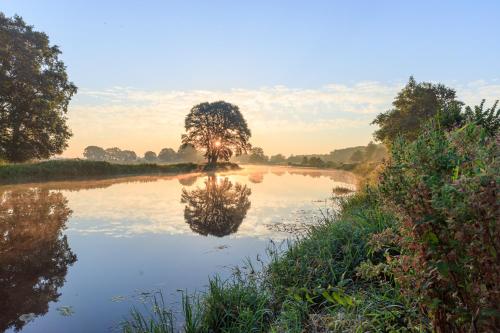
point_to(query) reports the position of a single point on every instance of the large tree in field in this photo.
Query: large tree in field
(34, 93)
(219, 129)
(415, 104)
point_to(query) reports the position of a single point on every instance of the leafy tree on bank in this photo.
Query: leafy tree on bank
(94, 153)
(113, 154)
(167, 155)
(219, 129)
(277, 159)
(187, 153)
(150, 156)
(257, 156)
(415, 104)
(128, 156)
(34, 93)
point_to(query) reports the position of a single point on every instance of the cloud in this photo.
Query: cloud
(151, 119)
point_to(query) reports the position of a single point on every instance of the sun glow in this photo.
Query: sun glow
(217, 143)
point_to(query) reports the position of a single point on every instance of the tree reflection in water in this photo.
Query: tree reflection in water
(34, 254)
(218, 209)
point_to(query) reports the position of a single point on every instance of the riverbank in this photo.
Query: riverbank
(83, 169)
(324, 282)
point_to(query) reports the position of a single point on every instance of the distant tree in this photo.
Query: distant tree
(415, 104)
(219, 129)
(187, 153)
(128, 156)
(257, 155)
(34, 93)
(94, 153)
(370, 151)
(167, 155)
(113, 154)
(357, 156)
(277, 159)
(305, 160)
(316, 162)
(150, 156)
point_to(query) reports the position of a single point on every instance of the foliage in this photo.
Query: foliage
(188, 153)
(167, 155)
(277, 159)
(34, 93)
(219, 128)
(445, 188)
(357, 156)
(488, 119)
(95, 153)
(150, 156)
(414, 105)
(257, 156)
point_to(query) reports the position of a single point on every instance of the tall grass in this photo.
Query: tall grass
(155, 318)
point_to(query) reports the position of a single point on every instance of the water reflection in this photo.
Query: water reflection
(34, 255)
(217, 209)
(256, 177)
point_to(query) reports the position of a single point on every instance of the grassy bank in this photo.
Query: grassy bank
(79, 169)
(327, 281)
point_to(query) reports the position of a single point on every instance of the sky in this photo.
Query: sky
(309, 76)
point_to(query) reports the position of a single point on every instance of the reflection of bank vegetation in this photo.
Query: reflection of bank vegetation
(34, 254)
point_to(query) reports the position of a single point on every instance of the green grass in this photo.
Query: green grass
(313, 285)
(76, 168)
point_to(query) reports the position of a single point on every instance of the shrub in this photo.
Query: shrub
(445, 188)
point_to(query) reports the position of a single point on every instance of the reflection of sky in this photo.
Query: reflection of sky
(127, 209)
(129, 236)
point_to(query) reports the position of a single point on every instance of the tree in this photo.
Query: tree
(94, 153)
(257, 155)
(277, 159)
(167, 155)
(357, 156)
(187, 153)
(34, 93)
(371, 148)
(150, 156)
(415, 104)
(316, 162)
(128, 156)
(219, 129)
(113, 154)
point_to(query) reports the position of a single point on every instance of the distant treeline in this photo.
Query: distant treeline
(370, 153)
(337, 158)
(185, 154)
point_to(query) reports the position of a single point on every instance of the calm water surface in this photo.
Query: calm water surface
(76, 256)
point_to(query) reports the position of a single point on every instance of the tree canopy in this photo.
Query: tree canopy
(34, 93)
(217, 128)
(167, 155)
(415, 104)
(150, 156)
